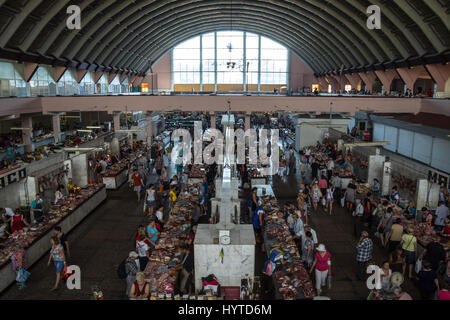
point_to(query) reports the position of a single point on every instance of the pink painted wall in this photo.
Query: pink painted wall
(215, 103)
(300, 75)
(162, 69)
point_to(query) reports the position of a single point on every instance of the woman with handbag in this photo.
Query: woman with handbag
(322, 267)
(59, 259)
(397, 261)
(409, 244)
(19, 265)
(384, 227)
(316, 195)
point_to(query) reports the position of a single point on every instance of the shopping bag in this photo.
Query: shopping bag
(329, 282)
(144, 210)
(323, 202)
(22, 275)
(342, 202)
(418, 266)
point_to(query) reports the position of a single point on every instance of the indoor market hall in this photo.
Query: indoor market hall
(224, 153)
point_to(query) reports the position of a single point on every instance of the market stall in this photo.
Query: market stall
(36, 239)
(291, 280)
(256, 177)
(116, 175)
(159, 271)
(196, 174)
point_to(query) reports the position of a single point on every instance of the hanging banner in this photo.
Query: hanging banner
(12, 176)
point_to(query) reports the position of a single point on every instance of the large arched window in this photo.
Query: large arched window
(229, 61)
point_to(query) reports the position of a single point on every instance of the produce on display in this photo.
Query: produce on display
(27, 236)
(292, 279)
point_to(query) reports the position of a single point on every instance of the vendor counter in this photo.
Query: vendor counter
(345, 182)
(114, 181)
(267, 188)
(159, 272)
(258, 181)
(195, 180)
(291, 280)
(40, 245)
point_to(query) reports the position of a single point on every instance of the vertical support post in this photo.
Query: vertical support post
(201, 63)
(171, 70)
(149, 128)
(213, 120)
(247, 121)
(27, 122)
(288, 73)
(259, 63)
(116, 119)
(244, 75)
(56, 128)
(215, 61)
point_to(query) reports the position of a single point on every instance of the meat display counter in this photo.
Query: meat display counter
(36, 240)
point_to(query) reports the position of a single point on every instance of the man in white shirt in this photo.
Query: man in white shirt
(314, 235)
(358, 214)
(104, 164)
(143, 253)
(307, 154)
(441, 214)
(298, 228)
(330, 168)
(7, 213)
(337, 182)
(287, 158)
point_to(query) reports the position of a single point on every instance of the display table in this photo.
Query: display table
(159, 270)
(291, 280)
(115, 181)
(345, 182)
(195, 180)
(41, 244)
(258, 181)
(260, 187)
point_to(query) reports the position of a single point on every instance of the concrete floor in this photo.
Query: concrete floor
(106, 236)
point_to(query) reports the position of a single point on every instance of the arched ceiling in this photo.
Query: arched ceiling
(130, 35)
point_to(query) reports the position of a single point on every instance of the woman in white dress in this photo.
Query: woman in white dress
(316, 194)
(330, 199)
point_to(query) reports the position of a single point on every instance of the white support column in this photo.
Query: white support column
(213, 120)
(56, 128)
(387, 177)
(116, 119)
(376, 166)
(27, 122)
(149, 128)
(247, 121)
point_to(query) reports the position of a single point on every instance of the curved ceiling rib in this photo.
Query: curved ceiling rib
(341, 21)
(414, 16)
(440, 11)
(339, 52)
(204, 28)
(263, 18)
(41, 25)
(330, 36)
(74, 47)
(400, 29)
(15, 24)
(67, 39)
(152, 21)
(43, 48)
